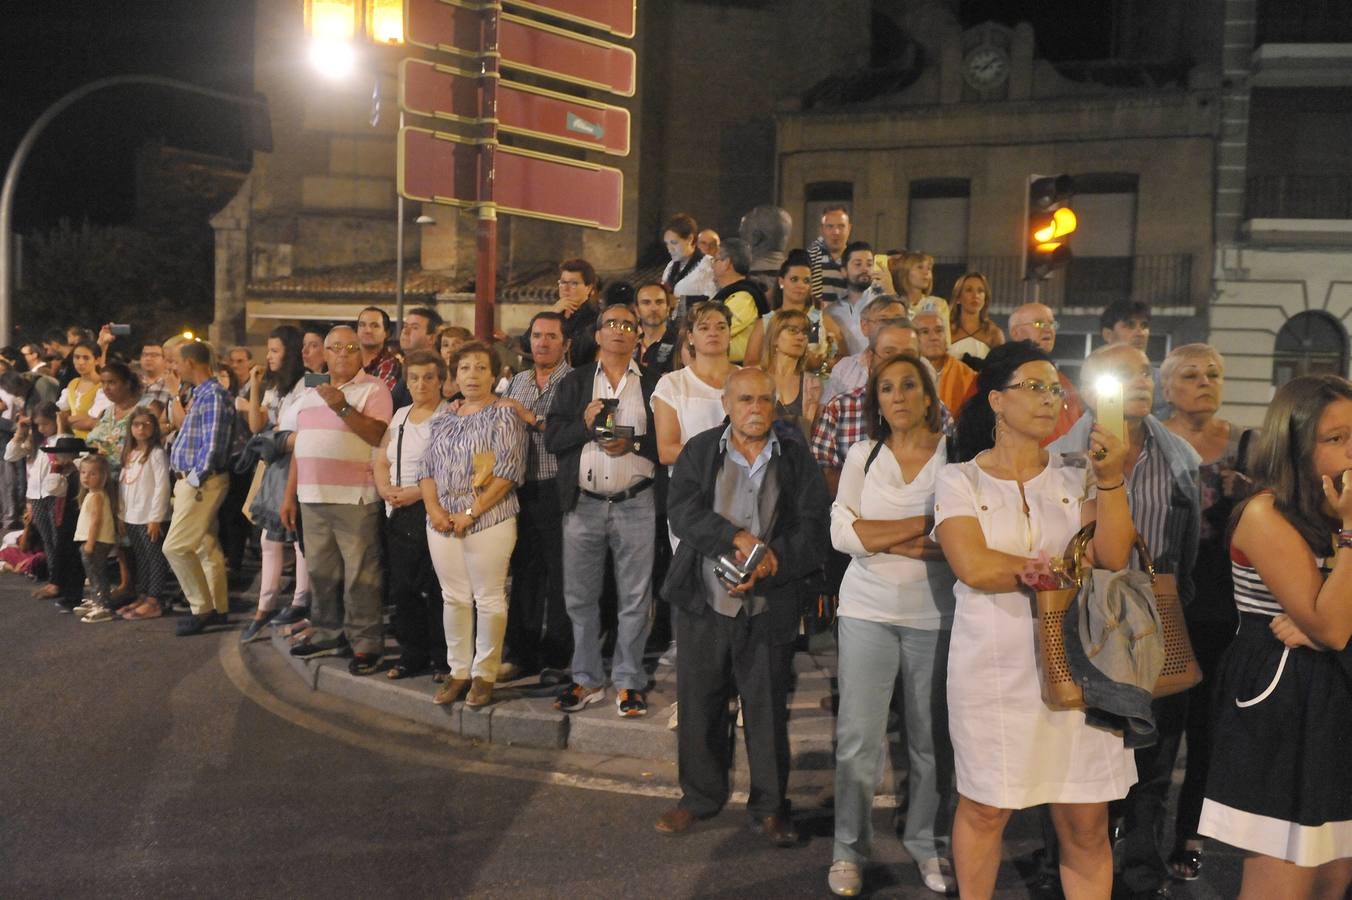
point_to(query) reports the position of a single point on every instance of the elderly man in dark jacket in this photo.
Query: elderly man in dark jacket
(733, 487)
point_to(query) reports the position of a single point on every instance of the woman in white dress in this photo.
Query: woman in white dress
(997, 517)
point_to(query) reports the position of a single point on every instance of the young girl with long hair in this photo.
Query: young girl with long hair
(144, 495)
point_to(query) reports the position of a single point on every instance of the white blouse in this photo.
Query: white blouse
(144, 489)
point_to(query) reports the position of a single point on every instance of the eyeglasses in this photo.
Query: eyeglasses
(1037, 387)
(343, 348)
(620, 325)
(1044, 324)
(793, 329)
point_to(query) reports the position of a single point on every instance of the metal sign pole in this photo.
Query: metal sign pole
(486, 270)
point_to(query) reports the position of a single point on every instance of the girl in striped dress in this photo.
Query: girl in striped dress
(1279, 786)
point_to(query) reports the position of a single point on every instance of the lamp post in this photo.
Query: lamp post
(253, 105)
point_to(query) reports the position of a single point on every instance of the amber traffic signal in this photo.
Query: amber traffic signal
(1050, 223)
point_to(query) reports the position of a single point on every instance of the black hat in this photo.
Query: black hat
(67, 444)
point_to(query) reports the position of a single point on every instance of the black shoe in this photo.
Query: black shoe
(256, 630)
(65, 606)
(195, 624)
(364, 664)
(291, 615)
(315, 649)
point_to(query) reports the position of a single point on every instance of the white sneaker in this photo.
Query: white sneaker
(87, 605)
(845, 878)
(937, 873)
(98, 614)
(668, 657)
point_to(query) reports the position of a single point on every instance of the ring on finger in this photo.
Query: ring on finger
(1100, 453)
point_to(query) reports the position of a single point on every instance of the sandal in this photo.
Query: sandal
(1185, 864)
(47, 592)
(399, 670)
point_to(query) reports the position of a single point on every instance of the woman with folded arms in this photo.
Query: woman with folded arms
(475, 458)
(896, 608)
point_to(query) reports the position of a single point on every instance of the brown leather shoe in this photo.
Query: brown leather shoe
(779, 829)
(480, 694)
(676, 820)
(450, 691)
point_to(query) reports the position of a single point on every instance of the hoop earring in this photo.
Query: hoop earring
(995, 430)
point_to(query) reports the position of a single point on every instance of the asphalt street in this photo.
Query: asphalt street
(139, 764)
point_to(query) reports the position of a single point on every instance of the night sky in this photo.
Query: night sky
(82, 166)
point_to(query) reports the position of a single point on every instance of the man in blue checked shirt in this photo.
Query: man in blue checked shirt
(198, 458)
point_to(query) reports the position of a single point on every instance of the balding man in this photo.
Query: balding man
(1161, 479)
(1036, 323)
(957, 380)
(734, 486)
(332, 484)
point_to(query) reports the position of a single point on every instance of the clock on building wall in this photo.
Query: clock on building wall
(985, 67)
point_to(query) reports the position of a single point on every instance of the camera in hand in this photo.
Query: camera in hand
(604, 427)
(734, 574)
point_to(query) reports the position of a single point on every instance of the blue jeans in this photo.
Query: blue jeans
(628, 528)
(871, 656)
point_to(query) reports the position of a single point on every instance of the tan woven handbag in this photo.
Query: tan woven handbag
(1059, 690)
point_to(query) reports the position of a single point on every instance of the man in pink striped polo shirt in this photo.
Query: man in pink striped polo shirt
(332, 490)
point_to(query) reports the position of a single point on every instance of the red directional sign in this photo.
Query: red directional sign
(615, 16)
(525, 45)
(443, 168)
(445, 92)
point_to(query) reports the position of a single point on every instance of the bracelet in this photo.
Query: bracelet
(1101, 488)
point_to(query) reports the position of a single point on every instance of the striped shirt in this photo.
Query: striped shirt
(1251, 594)
(827, 274)
(333, 463)
(540, 463)
(449, 460)
(1159, 519)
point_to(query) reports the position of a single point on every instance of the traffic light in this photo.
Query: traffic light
(1050, 224)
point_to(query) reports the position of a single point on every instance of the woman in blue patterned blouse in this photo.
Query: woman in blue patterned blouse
(474, 460)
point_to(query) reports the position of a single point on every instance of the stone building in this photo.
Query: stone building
(1283, 270)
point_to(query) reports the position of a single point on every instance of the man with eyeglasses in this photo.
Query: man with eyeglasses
(600, 429)
(577, 304)
(956, 383)
(851, 372)
(332, 491)
(1162, 485)
(1035, 323)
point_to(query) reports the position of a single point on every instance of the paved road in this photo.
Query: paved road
(139, 764)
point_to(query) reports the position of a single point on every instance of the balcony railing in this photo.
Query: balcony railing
(1304, 22)
(1299, 197)
(1086, 282)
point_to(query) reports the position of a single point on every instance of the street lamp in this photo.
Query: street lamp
(259, 129)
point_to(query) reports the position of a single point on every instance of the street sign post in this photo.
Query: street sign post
(437, 167)
(615, 16)
(525, 45)
(445, 92)
(473, 170)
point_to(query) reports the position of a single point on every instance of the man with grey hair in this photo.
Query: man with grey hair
(851, 372)
(735, 487)
(1161, 478)
(1036, 323)
(742, 296)
(332, 486)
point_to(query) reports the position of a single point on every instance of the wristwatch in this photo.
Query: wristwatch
(347, 408)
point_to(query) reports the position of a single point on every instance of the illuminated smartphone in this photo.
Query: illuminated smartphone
(1108, 409)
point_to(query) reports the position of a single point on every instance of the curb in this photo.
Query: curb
(516, 719)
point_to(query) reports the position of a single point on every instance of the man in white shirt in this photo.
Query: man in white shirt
(852, 371)
(857, 261)
(600, 429)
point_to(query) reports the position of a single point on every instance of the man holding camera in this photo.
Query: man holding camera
(750, 508)
(600, 428)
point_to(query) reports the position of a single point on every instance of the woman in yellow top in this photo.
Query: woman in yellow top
(78, 400)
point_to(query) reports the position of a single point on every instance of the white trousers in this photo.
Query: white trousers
(473, 575)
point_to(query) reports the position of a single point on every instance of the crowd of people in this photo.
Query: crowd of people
(756, 453)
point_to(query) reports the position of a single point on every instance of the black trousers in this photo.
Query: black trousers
(721, 658)
(539, 632)
(1143, 865)
(64, 568)
(415, 590)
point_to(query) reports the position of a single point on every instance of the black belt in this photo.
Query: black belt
(620, 496)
